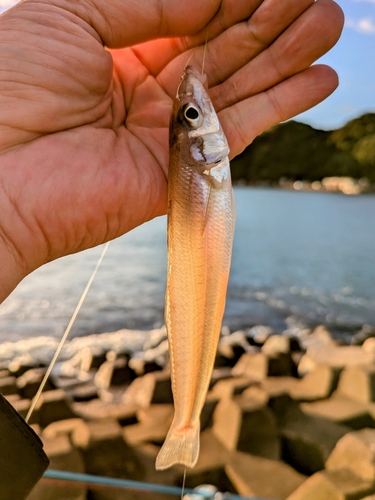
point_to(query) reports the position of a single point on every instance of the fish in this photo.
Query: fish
(201, 219)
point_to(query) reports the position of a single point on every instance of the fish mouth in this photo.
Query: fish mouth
(190, 70)
(191, 80)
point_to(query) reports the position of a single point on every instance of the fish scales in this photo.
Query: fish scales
(200, 235)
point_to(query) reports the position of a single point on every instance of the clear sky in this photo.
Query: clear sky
(354, 60)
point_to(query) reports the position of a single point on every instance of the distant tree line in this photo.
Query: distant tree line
(297, 151)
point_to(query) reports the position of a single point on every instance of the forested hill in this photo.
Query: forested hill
(297, 151)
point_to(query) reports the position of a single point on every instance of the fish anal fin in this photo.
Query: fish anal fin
(180, 447)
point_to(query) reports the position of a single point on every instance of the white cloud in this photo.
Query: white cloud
(365, 25)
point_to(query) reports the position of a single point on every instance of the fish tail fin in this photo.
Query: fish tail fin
(179, 448)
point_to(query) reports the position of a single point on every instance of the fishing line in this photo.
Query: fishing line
(204, 54)
(66, 333)
(204, 51)
(191, 55)
(183, 484)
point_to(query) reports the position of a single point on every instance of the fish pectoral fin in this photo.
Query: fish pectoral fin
(179, 448)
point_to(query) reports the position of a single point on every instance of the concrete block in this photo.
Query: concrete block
(340, 484)
(208, 410)
(231, 387)
(369, 345)
(370, 407)
(115, 372)
(273, 392)
(12, 397)
(83, 392)
(261, 477)
(63, 456)
(305, 365)
(341, 410)
(61, 428)
(155, 413)
(355, 451)
(319, 383)
(53, 406)
(224, 356)
(146, 454)
(358, 383)
(4, 373)
(258, 334)
(152, 388)
(259, 366)
(17, 368)
(320, 337)
(276, 344)
(124, 413)
(308, 441)
(338, 357)
(297, 356)
(218, 374)
(277, 386)
(245, 425)
(91, 358)
(105, 451)
(153, 425)
(141, 366)
(8, 386)
(366, 332)
(280, 365)
(231, 348)
(28, 384)
(252, 366)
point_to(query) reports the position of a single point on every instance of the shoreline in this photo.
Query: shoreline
(288, 404)
(340, 185)
(136, 343)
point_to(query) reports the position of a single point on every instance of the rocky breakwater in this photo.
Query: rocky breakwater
(286, 417)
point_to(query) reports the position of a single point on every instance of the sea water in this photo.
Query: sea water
(299, 258)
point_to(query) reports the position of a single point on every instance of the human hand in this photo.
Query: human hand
(84, 130)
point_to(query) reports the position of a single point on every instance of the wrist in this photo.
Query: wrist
(13, 267)
(21, 246)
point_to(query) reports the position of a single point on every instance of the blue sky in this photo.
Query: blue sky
(354, 60)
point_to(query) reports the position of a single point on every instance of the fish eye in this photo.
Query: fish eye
(192, 115)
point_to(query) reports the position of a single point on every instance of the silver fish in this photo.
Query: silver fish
(201, 218)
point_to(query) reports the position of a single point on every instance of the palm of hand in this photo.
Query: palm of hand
(105, 149)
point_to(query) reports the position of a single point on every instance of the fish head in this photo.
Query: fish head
(195, 128)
